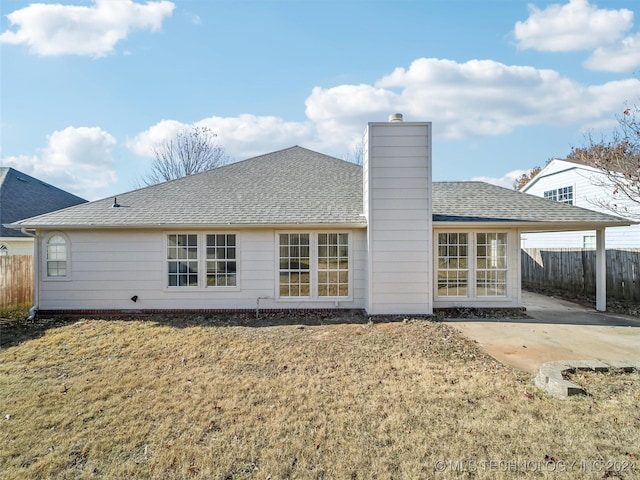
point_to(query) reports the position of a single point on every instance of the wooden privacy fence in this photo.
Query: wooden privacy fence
(16, 280)
(574, 270)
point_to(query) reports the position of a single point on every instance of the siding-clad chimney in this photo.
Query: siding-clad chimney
(397, 205)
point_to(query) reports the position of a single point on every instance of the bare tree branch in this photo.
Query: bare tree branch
(192, 150)
(619, 162)
(356, 154)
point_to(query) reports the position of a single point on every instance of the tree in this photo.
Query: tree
(356, 155)
(619, 162)
(525, 178)
(191, 150)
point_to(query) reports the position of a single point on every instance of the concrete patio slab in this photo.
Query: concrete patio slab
(558, 330)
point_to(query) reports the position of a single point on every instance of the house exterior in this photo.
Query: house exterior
(296, 229)
(582, 186)
(22, 196)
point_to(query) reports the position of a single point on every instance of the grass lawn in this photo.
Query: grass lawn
(218, 397)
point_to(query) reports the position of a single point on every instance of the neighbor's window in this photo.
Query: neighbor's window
(182, 259)
(221, 260)
(4, 250)
(563, 195)
(491, 264)
(333, 264)
(294, 265)
(57, 256)
(589, 242)
(453, 264)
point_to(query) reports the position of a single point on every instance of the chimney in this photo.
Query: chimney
(397, 205)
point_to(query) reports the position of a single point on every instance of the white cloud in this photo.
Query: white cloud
(75, 159)
(485, 98)
(623, 56)
(242, 137)
(577, 25)
(473, 99)
(506, 181)
(55, 29)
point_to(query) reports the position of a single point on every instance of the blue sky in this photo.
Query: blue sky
(88, 87)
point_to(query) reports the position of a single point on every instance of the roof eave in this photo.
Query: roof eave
(191, 226)
(533, 226)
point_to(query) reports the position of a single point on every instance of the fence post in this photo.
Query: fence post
(601, 271)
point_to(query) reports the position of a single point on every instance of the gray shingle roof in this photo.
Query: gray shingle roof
(299, 186)
(291, 186)
(22, 196)
(482, 202)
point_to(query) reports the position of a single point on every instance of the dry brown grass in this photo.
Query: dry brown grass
(196, 397)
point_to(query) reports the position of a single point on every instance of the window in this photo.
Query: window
(56, 256)
(295, 278)
(589, 242)
(333, 264)
(453, 264)
(313, 265)
(198, 260)
(221, 260)
(4, 250)
(491, 264)
(472, 264)
(182, 257)
(563, 195)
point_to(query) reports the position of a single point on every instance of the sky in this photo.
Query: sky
(88, 87)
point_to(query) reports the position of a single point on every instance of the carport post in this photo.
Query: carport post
(601, 272)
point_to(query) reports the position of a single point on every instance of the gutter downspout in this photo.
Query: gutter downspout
(36, 270)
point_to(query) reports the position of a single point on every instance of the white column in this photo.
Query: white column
(601, 271)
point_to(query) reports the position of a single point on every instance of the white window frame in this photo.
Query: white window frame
(4, 250)
(589, 242)
(487, 270)
(562, 194)
(313, 267)
(201, 238)
(45, 258)
(472, 267)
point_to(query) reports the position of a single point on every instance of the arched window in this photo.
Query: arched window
(57, 256)
(4, 250)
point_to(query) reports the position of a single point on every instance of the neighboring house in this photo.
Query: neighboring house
(296, 229)
(22, 196)
(579, 185)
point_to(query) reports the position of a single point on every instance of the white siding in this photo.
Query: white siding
(397, 196)
(560, 174)
(18, 246)
(107, 268)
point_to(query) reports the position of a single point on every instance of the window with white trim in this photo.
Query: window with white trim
(491, 264)
(314, 265)
(182, 259)
(4, 250)
(453, 264)
(589, 242)
(221, 260)
(56, 257)
(333, 264)
(199, 260)
(295, 275)
(472, 264)
(562, 195)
